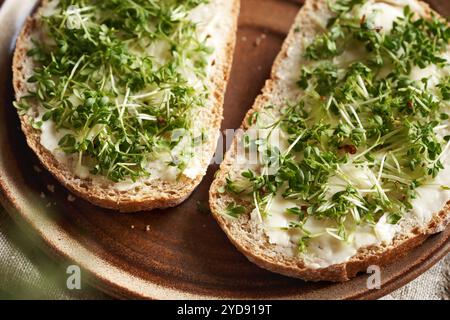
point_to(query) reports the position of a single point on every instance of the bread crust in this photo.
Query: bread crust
(156, 193)
(264, 254)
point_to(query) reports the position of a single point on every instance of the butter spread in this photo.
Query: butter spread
(209, 18)
(324, 247)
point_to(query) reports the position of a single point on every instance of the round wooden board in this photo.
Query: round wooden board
(184, 255)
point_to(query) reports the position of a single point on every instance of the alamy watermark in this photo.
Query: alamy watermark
(255, 146)
(374, 280)
(73, 281)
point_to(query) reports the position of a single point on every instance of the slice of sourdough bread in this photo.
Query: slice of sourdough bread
(145, 193)
(247, 233)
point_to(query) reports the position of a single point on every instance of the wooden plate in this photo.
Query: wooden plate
(184, 254)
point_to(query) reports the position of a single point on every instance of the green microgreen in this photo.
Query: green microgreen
(115, 74)
(234, 210)
(362, 134)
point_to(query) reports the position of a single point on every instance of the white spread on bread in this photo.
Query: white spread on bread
(208, 19)
(324, 247)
